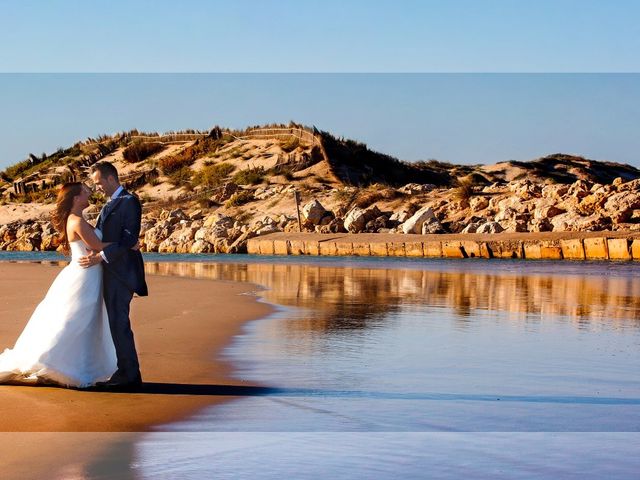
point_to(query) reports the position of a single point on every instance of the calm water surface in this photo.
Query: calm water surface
(421, 369)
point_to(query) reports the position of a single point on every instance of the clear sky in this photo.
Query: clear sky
(473, 117)
(319, 35)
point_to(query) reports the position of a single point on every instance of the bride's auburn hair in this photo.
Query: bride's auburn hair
(64, 203)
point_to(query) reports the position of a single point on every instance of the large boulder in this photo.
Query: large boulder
(415, 222)
(313, 212)
(356, 219)
(620, 206)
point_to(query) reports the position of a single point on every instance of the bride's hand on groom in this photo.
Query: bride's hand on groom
(90, 260)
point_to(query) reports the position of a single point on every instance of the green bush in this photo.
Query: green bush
(249, 176)
(239, 198)
(181, 177)
(213, 175)
(16, 170)
(290, 144)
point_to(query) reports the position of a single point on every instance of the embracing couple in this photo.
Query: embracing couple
(80, 334)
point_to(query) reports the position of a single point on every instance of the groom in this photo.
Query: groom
(123, 270)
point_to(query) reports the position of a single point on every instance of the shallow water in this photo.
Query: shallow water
(383, 368)
(400, 368)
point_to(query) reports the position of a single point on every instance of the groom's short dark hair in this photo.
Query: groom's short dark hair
(106, 169)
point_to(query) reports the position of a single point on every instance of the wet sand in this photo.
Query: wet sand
(180, 330)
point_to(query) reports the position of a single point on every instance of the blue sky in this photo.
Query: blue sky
(319, 36)
(475, 117)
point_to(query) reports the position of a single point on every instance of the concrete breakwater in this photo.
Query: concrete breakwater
(618, 245)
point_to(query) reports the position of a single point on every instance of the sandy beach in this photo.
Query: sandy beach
(180, 329)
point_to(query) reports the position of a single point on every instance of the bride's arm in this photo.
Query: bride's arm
(88, 235)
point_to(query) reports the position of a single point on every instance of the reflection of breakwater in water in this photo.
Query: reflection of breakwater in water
(351, 298)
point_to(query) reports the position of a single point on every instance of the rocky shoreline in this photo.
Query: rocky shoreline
(514, 207)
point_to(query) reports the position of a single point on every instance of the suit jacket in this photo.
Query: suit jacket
(119, 222)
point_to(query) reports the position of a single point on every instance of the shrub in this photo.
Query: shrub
(373, 193)
(181, 177)
(213, 175)
(345, 195)
(239, 198)
(172, 164)
(290, 144)
(138, 151)
(249, 176)
(464, 190)
(16, 170)
(187, 156)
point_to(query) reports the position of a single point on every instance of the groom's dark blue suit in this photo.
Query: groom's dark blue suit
(123, 275)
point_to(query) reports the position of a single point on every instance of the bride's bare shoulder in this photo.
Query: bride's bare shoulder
(73, 227)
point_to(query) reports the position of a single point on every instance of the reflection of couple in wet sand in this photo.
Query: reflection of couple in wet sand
(80, 334)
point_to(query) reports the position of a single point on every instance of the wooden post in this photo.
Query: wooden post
(296, 196)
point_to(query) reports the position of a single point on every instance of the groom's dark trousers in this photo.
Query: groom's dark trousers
(123, 275)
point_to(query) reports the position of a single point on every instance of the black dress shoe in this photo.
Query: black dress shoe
(120, 383)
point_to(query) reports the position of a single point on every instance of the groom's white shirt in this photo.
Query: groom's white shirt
(113, 196)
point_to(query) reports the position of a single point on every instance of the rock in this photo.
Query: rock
(313, 212)
(155, 236)
(554, 191)
(490, 227)
(196, 215)
(525, 189)
(401, 216)
(201, 246)
(579, 189)
(471, 227)
(327, 219)
(620, 206)
(174, 216)
(240, 245)
(631, 186)
(565, 222)
(218, 219)
(25, 244)
(478, 203)
(357, 218)
(416, 188)
(546, 211)
(506, 215)
(540, 225)
(414, 224)
(512, 221)
(432, 225)
(225, 192)
(336, 226)
(266, 229)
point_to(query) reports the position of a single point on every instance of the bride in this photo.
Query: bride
(67, 341)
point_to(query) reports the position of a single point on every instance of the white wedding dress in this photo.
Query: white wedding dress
(67, 341)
